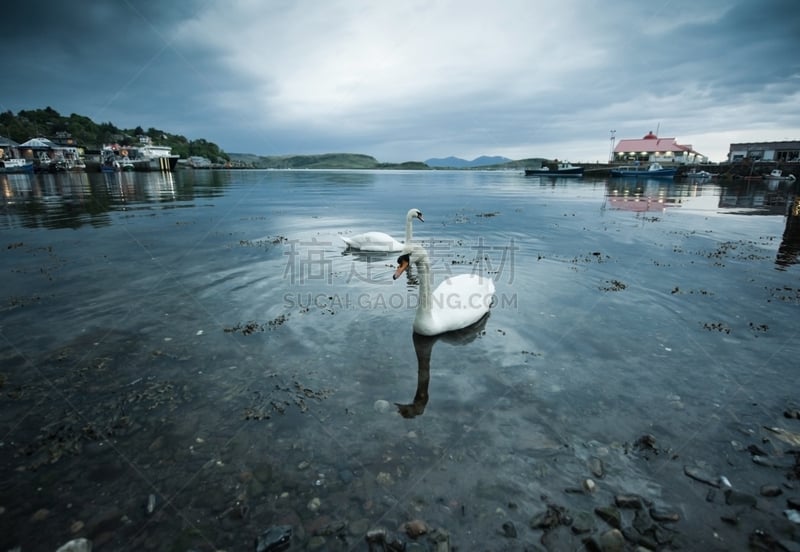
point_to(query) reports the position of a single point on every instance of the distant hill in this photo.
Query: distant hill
(458, 163)
(321, 161)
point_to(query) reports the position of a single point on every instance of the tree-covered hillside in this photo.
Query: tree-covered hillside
(84, 132)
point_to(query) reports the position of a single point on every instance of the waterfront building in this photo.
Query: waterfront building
(652, 149)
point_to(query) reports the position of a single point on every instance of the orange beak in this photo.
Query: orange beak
(402, 266)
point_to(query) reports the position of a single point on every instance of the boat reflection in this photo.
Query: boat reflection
(423, 346)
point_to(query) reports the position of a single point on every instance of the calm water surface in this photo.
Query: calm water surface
(200, 343)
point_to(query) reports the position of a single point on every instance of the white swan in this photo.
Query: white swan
(378, 241)
(456, 303)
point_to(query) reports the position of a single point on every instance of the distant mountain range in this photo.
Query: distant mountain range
(361, 161)
(458, 163)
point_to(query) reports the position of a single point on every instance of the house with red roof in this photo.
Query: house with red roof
(651, 148)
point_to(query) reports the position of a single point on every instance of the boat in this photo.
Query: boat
(777, 174)
(562, 169)
(694, 174)
(125, 164)
(654, 170)
(147, 157)
(109, 162)
(16, 166)
(154, 158)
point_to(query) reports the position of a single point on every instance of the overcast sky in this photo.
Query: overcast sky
(414, 79)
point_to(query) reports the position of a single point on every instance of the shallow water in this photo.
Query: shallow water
(203, 337)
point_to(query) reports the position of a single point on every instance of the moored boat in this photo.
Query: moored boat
(147, 157)
(562, 169)
(654, 170)
(694, 174)
(16, 166)
(154, 158)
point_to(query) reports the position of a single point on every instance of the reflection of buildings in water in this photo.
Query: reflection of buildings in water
(68, 188)
(751, 197)
(765, 198)
(159, 186)
(17, 188)
(72, 198)
(423, 346)
(649, 194)
(132, 186)
(49, 188)
(789, 250)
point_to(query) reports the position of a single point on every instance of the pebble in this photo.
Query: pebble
(610, 515)
(314, 504)
(76, 545)
(275, 538)
(699, 475)
(596, 467)
(583, 522)
(664, 515)
(612, 541)
(642, 522)
(40, 515)
(737, 498)
(792, 413)
(628, 501)
(415, 528)
(384, 478)
(76, 527)
(509, 531)
(771, 490)
(376, 535)
(770, 462)
(382, 406)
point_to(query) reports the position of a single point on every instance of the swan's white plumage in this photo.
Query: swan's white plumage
(380, 241)
(456, 303)
(373, 241)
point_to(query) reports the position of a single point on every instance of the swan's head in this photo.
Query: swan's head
(415, 213)
(414, 254)
(402, 265)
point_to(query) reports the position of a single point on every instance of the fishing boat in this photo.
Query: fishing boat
(694, 174)
(16, 166)
(562, 169)
(654, 170)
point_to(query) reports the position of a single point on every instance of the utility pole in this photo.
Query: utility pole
(611, 153)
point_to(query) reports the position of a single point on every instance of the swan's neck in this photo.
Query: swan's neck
(425, 300)
(409, 218)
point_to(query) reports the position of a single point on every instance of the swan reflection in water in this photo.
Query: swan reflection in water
(423, 345)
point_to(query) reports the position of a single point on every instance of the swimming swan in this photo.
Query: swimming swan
(456, 303)
(378, 241)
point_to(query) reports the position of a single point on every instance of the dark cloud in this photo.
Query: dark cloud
(232, 73)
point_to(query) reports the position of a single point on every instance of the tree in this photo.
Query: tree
(46, 122)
